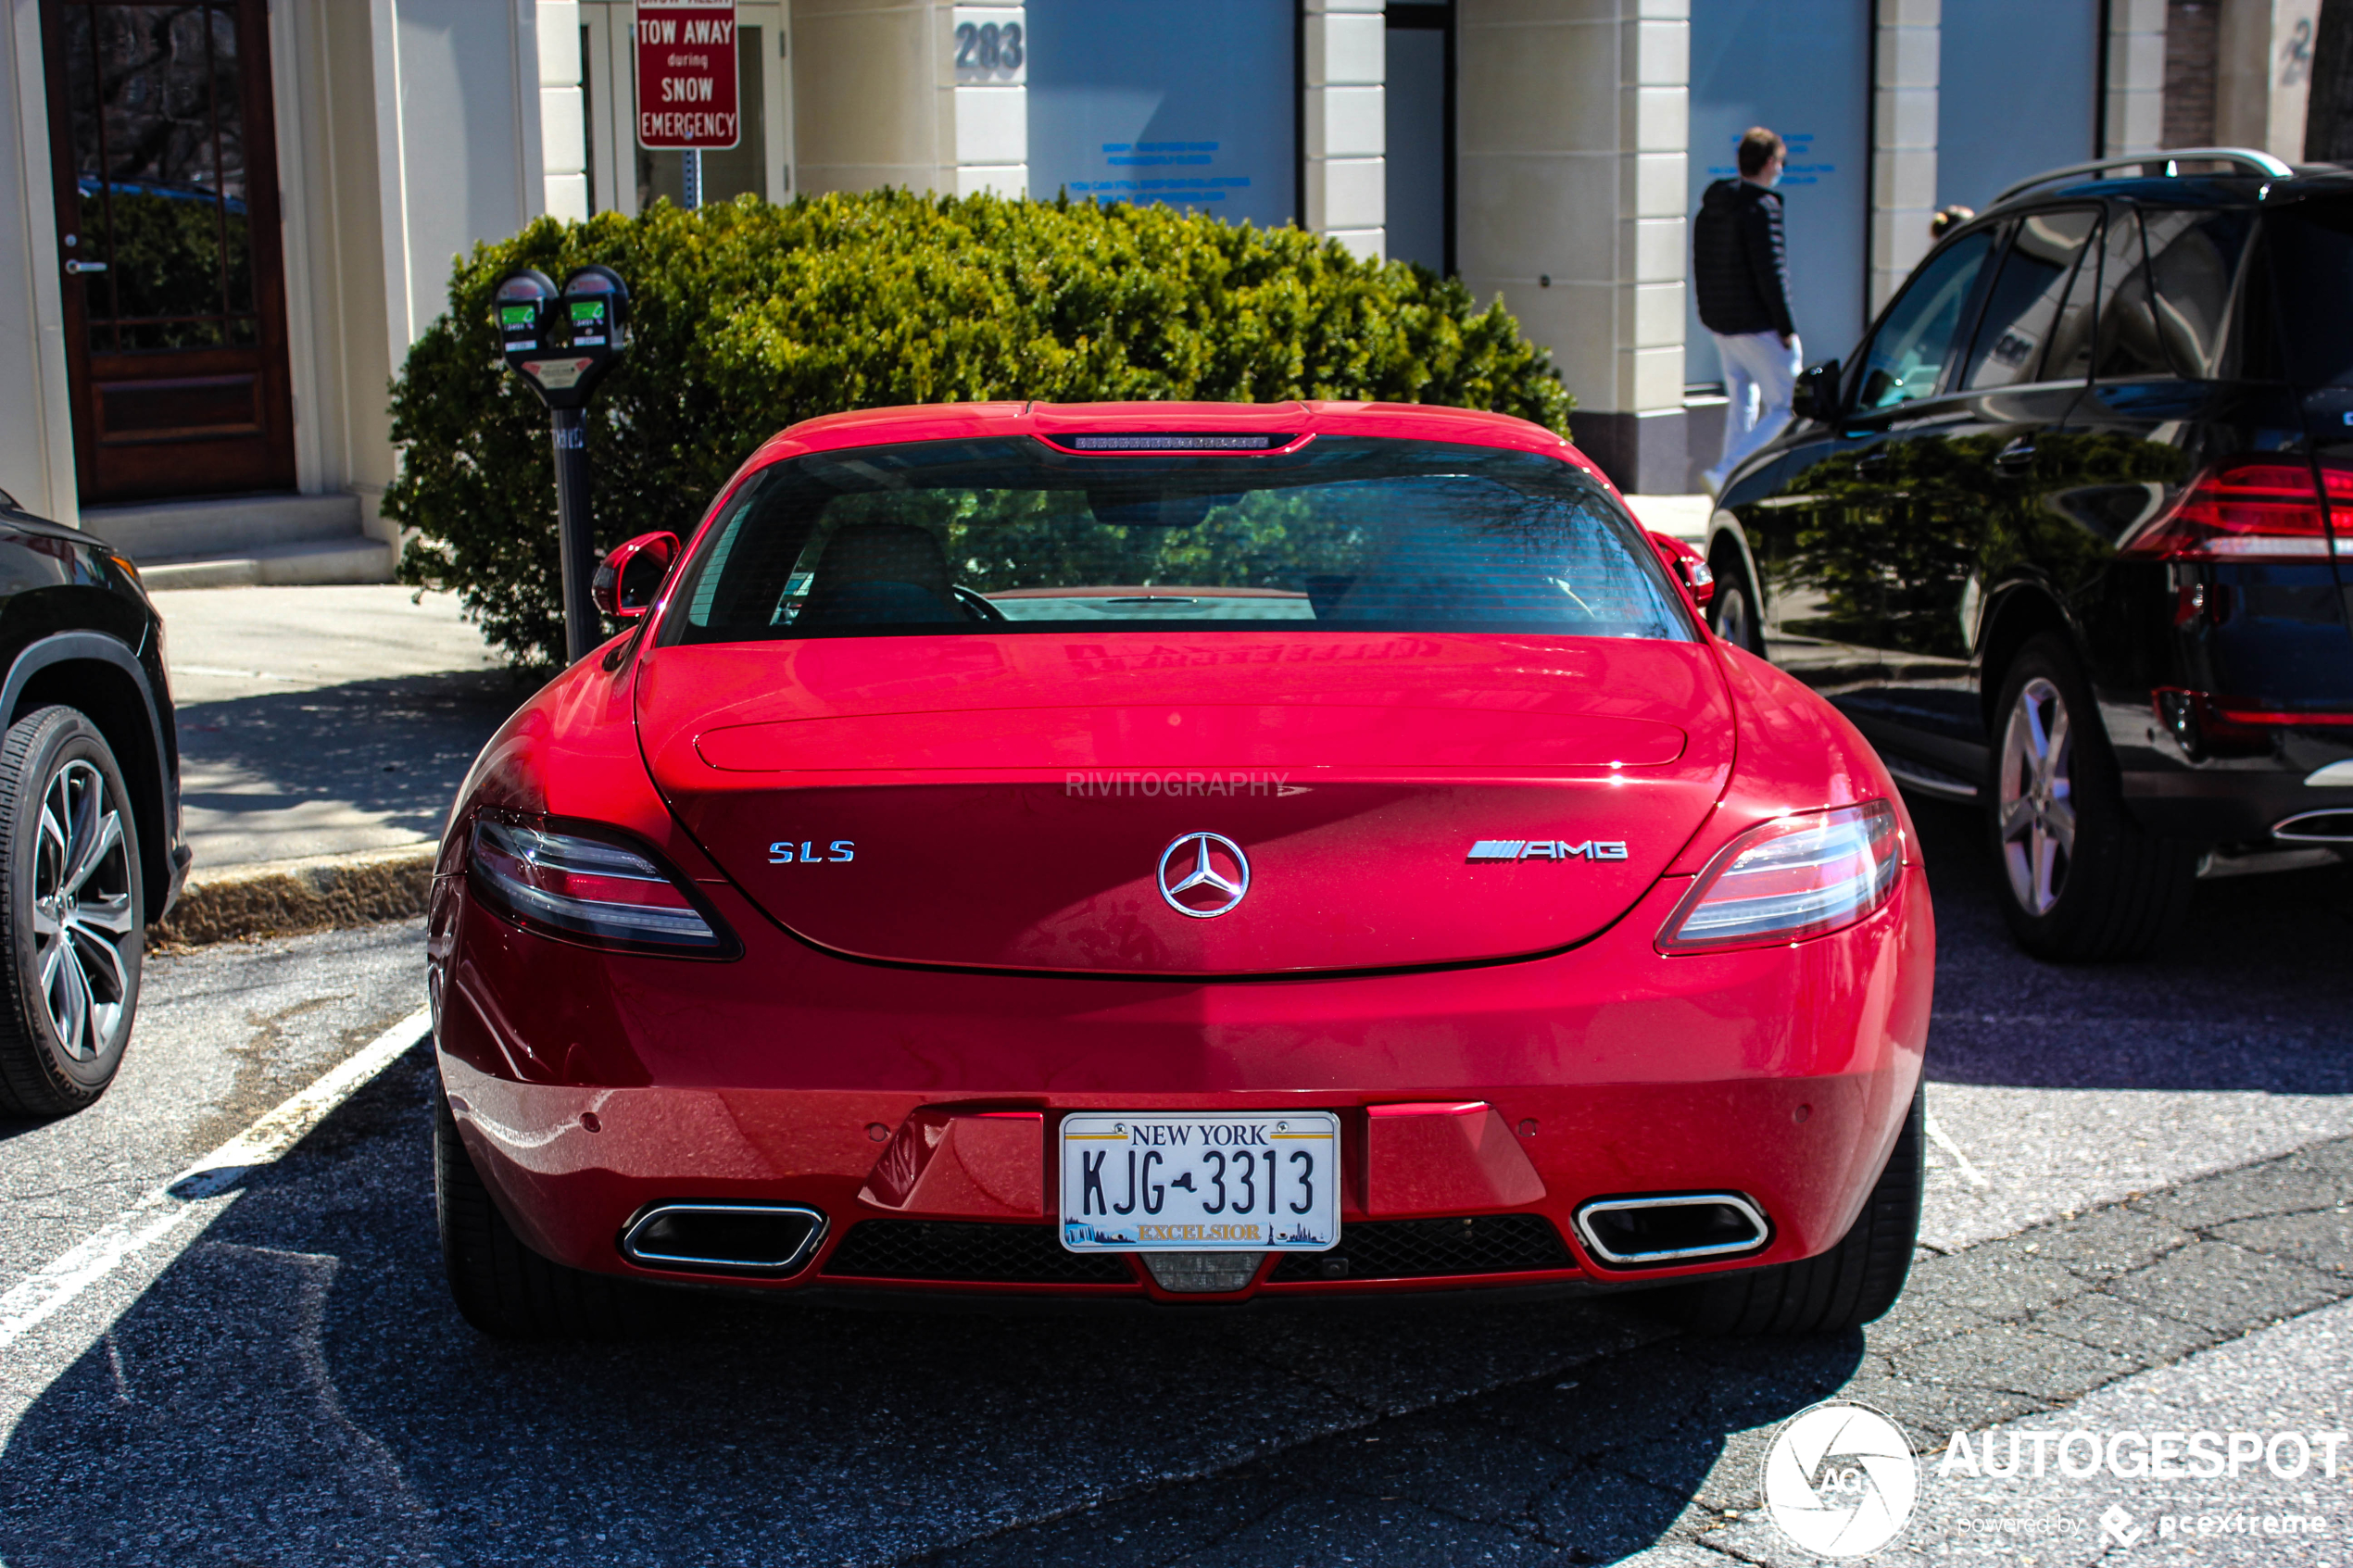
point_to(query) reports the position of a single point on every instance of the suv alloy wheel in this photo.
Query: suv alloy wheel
(1732, 614)
(72, 909)
(2080, 878)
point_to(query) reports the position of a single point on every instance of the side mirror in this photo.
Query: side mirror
(1815, 396)
(628, 579)
(1689, 567)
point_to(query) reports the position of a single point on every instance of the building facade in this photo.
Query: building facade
(224, 221)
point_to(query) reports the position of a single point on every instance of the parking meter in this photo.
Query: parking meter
(561, 344)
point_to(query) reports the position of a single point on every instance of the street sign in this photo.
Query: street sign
(686, 76)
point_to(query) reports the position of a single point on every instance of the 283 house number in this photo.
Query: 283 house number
(989, 48)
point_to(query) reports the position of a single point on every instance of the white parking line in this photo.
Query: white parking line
(1936, 1135)
(147, 1220)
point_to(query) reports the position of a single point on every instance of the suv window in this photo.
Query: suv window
(2128, 344)
(2311, 247)
(2193, 261)
(1906, 358)
(2024, 305)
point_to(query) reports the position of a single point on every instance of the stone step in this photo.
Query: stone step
(222, 526)
(351, 558)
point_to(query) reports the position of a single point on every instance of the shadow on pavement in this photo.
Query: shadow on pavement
(297, 1389)
(396, 746)
(2254, 993)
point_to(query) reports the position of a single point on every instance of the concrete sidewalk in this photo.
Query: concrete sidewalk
(1685, 517)
(323, 732)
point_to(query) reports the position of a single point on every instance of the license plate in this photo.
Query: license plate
(1175, 1182)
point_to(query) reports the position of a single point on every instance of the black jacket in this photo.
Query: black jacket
(1740, 265)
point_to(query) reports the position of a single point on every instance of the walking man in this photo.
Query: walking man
(1741, 272)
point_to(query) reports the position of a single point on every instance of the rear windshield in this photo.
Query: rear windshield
(2311, 246)
(1012, 536)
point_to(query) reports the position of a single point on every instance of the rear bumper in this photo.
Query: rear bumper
(2227, 804)
(1779, 1073)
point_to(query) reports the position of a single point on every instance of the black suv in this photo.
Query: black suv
(91, 849)
(2072, 534)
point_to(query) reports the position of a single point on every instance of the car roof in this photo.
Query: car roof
(1052, 422)
(2184, 190)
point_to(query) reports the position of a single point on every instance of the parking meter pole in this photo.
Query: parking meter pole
(577, 553)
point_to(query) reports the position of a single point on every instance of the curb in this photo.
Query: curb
(283, 898)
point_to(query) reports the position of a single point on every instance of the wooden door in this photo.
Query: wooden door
(167, 185)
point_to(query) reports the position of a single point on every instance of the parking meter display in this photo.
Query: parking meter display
(1181, 1181)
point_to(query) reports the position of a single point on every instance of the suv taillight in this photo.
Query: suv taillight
(2265, 509)
(1797, 877)
(588, 888)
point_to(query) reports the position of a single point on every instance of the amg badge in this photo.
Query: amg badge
(1546, 849)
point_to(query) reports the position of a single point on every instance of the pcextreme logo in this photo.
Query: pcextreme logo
(1840, 1480)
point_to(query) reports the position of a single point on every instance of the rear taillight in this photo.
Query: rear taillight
(589, 888)
(1797, 877)
(2248, 510)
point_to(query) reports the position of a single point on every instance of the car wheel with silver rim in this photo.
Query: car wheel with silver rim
(1733, 613)
(2033, 797)
(2080, 879)
(75, 914)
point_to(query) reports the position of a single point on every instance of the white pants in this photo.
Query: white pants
(1760, 372)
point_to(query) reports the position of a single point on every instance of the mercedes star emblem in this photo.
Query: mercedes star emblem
(1213, 892)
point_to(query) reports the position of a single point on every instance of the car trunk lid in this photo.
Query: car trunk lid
(1008, 802)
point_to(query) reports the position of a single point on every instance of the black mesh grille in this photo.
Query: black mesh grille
(962, 1250)
(1490, 1243)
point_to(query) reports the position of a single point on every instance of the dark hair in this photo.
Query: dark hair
(1759, 148)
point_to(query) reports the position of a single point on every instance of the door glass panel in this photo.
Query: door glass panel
(156, 115)
(2024, 305)
(1907, 357)
(726, 175)
(2194, 262)
(2128, 344)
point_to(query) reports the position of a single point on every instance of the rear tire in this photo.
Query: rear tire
(501, 1287)
(1733, 614)
(2079, 880)
(1843, 1289)
(72, 912)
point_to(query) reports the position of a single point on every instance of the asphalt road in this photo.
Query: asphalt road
(2140, 1216)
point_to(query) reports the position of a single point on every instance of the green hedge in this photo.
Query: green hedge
(752, 315)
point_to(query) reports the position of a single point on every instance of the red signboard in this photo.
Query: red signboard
(686, 75)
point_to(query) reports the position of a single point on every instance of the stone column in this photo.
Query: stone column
(1572, 127)
(1346, 48)
(878, 98)
(1903, 140)
(564, 121)
(2133, 120)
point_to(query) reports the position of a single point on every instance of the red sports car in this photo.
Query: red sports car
(1186, 852)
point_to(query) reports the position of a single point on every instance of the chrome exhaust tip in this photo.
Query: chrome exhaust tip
(1660, 1228)
(731, 1238)
(2329, 825)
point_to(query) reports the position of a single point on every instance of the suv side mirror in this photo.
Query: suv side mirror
(1688, 566)
(1815, 396)
(628, 579)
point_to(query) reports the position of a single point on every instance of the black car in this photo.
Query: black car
(91, 849)
(2072, 534)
